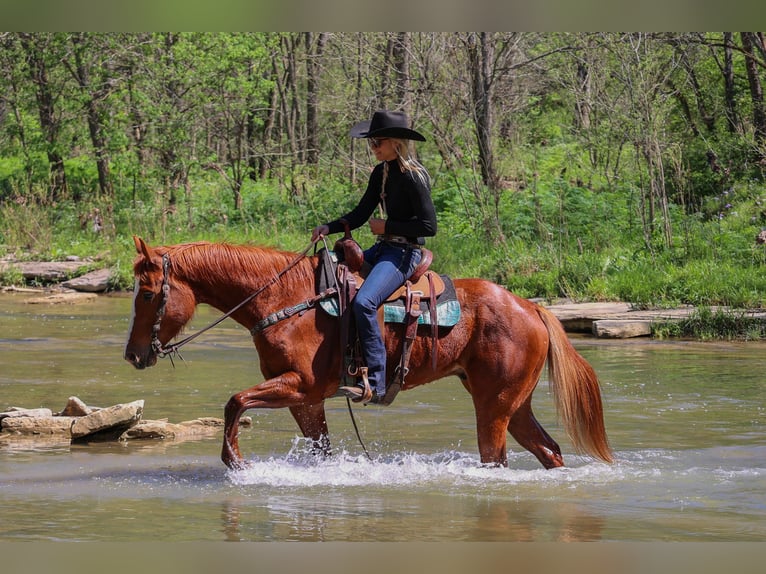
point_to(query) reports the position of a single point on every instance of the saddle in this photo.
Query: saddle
(418, 294)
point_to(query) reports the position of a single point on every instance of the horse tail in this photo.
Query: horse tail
(576, 392)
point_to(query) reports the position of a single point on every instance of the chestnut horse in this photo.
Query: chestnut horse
(498, 347)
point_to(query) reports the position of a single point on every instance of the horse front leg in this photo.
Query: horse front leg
(279, 392)
(312, 421)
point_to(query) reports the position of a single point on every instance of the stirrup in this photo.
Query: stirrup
(359, 394)
(393, 388)
(391, 392)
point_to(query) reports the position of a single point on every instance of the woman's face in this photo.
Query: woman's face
(383, 148)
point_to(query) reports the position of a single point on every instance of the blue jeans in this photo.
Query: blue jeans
(392, 265)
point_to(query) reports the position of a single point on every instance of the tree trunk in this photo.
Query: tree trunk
(481, 55)
(402, 49)
(730, 92)
(94, 97)
(583, 103)
(314, 51)
(49, 122)
(749, 41)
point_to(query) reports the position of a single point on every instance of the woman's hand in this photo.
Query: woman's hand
(378, 226)
(319, 231)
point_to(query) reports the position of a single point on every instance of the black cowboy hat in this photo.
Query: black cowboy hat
(385, 124)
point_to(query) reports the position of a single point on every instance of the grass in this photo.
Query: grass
(596, 253)
(706, 324)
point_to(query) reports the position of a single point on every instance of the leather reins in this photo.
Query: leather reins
(162, 350)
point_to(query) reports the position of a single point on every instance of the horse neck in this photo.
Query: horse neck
(223, 276)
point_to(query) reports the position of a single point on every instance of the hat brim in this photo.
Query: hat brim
(361, 130)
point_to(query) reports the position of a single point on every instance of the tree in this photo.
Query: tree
(41, 52)
(92, 66)
(234, 86)
(12, 104)
(480, 49)
(755, 56)
(315, 44)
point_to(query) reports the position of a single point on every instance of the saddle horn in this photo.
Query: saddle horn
(350, 251)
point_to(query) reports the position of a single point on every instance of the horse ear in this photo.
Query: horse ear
(142, 248)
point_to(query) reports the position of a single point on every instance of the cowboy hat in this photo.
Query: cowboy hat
(385, 124)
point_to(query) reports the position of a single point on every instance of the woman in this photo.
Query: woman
(402, 189)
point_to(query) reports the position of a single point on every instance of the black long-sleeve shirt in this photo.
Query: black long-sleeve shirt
(409, 208)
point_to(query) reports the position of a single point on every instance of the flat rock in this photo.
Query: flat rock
(162, 429)
(45, 271)
(39, 426)
(582, 318)
(579, 317)
(621, 329)
(15, 412)
(68, 298)
(93, 282)
(117, 416)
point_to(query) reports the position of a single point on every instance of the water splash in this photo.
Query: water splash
(300, 468)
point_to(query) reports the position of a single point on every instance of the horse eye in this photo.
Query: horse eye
(148, 296)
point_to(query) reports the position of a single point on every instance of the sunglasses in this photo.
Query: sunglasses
(376, 142)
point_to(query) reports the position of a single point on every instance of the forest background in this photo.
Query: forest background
(593, 166)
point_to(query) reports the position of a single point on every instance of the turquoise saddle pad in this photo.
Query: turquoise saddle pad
(447, 308)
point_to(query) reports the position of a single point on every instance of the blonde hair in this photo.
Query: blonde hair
(405, 155)
(407, 162)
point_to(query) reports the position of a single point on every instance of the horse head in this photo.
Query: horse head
(161, 306)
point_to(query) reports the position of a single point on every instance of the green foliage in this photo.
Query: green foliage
(720, 324)
(206, 137)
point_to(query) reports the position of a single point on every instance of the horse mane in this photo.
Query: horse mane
(240, 264)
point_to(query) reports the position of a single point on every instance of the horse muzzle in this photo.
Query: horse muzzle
(140, 360)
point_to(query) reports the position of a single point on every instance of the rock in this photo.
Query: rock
(45, 425)
(93, 282)
(75, 408)
(579, 317)
(115, 417)
(621, 329)
(68, 298)
(162, 429)
(79, 422)
(46, 272)
(15, 412)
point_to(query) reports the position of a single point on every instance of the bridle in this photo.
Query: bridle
(161, 350)
(157, 347)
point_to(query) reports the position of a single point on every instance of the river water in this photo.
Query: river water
(687, 422)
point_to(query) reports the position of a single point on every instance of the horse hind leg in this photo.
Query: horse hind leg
(491, 422)
(528, 432)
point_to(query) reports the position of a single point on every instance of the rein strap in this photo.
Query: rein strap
(163, 351)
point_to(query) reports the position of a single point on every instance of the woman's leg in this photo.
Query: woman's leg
(391, 268)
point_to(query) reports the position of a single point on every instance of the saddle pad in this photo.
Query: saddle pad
(447, 308)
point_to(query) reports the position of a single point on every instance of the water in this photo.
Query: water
(686, 421)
